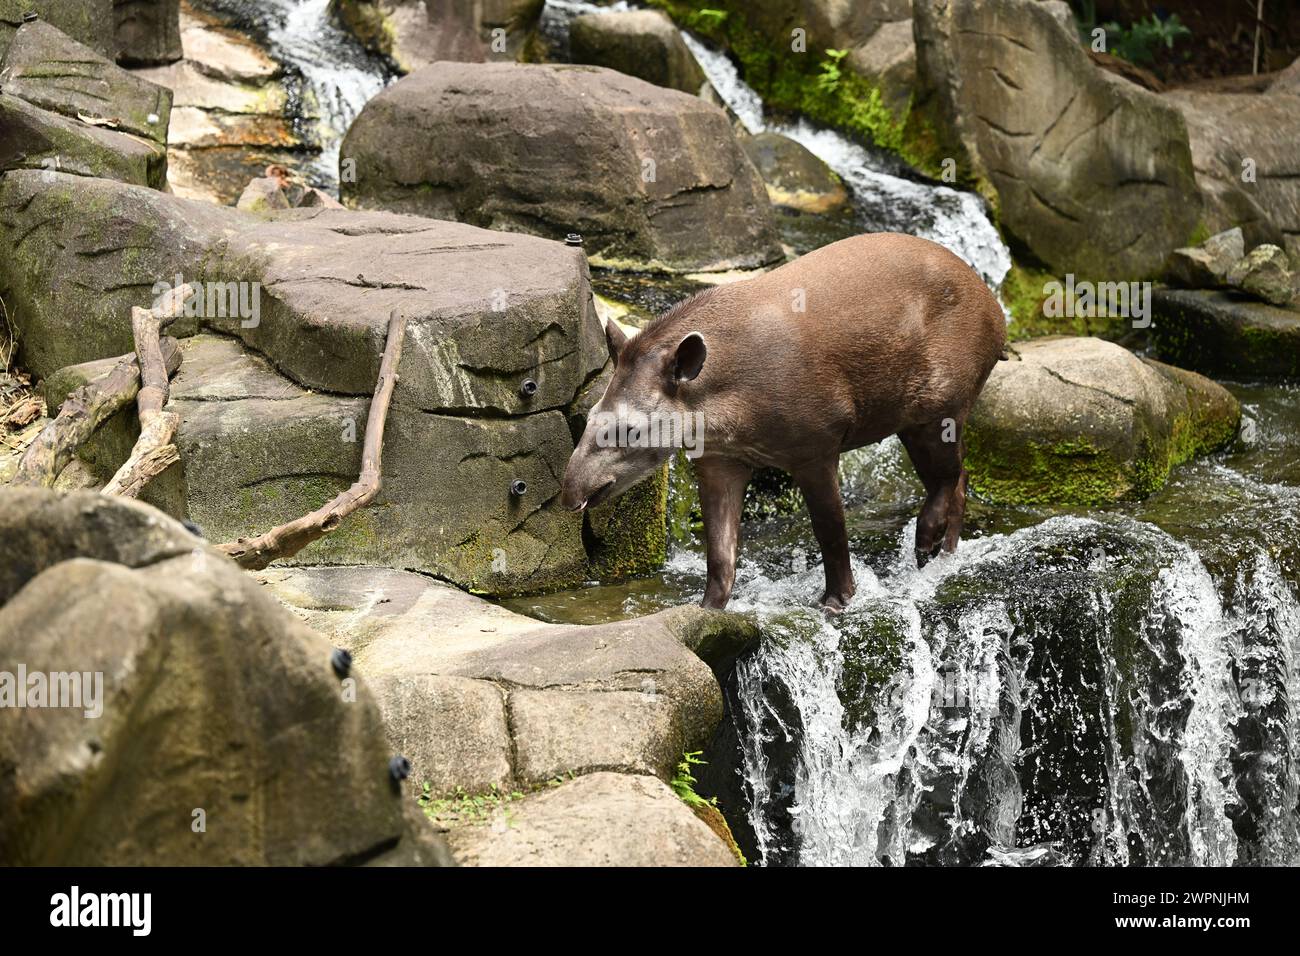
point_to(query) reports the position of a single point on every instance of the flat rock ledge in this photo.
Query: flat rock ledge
(569, 733)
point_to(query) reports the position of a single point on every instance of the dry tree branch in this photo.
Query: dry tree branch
(154, 452)
(84, 410)
(288, 539)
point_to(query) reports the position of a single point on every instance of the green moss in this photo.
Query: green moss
(1023, 294)
(631, 532)
(683, 784)
(813, 83)
(1011, 470)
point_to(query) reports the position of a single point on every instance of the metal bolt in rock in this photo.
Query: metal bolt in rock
(528, 389)
(573, 239)
(518, 487)
(31, 16)
(399, 768)
(341, 661)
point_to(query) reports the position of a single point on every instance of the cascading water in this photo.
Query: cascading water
(335, 75)
(883, 202)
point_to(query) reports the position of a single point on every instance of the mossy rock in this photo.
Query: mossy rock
(1085, 422)
(1225, 334)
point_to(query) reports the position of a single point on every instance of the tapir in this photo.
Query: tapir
(876, 335)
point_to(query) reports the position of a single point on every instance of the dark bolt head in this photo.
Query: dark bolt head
(399, 768)
(518, 487)
(193, 529)
(341, 661)
(528, 388)
(31, 16)
(573, 239)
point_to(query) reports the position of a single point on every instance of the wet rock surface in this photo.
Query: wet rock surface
(1225, 333)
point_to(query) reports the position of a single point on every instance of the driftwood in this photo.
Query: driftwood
(288, 539)
(154, 452)
(84, 410)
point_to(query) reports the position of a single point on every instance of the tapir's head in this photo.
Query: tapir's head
(649, 409)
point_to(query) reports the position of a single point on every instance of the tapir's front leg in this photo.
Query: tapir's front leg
(820, 484)
(722, 483)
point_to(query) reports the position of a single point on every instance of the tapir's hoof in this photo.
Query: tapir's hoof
(833, 604)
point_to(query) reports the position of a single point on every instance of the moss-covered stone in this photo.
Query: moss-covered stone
(1082, 421)
(1223, 334)
(629, 535)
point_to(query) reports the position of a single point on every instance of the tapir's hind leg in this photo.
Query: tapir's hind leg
(936, 450)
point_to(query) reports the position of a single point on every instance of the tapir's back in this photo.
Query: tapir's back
(869, 335)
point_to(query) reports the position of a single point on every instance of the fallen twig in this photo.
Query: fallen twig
(84, 410)
(153, 452)
(288, 539)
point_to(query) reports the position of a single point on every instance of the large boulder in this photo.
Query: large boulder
(82, 252)
(651, 178)
(209, 719)
(1247, 164)
(489, 705)
(49, 69)
(148, 31)
(65, 107)
(641, 43)
(273, 409)
(88, 21)
(415, 33)
(1084, 421)
(1221, 333)
(1091, 172)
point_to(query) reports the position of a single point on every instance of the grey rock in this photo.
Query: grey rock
(888, 58)
(86, 21)
(1265, 273)
(603, 819)
(148, 31)
(1222, 334)
(650, 177)
(1207, 265)
(794, 177)
(42, 140)
(628, 696)
(1092, 173)
(640, 43)
(1247, 165)
(213, 699)
(415, 33)
(1084, 421)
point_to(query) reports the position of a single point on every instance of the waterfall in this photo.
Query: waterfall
(883, 202)
(1036, 698)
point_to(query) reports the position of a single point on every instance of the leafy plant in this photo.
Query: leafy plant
(829, 78)
(1138, 43)
(710, 18)
(683, 783)
(465, 807)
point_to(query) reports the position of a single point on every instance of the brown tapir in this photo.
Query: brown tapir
(872, 336)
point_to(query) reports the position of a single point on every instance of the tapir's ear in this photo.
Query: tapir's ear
(691, 353)
(615, 339)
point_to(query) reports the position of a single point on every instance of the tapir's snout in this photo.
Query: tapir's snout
(584, 484)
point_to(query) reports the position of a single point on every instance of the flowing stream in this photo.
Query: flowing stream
(1073, 686)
